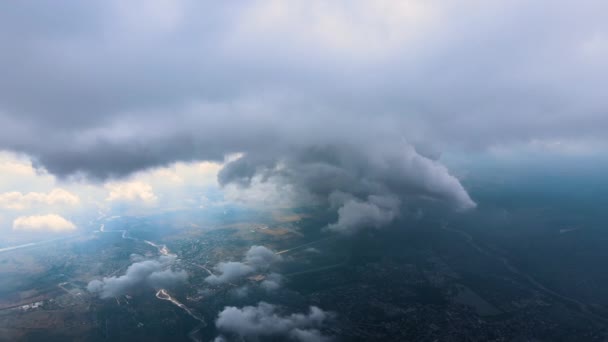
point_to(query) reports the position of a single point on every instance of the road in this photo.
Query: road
(164, 295)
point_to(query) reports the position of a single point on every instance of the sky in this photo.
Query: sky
(356, 105)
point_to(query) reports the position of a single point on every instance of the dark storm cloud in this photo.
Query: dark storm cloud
(360, 94)
(367, 185)
(265, 321)
(152, 273)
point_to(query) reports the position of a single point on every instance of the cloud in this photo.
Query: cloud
(175, 186)
(43, 223)
(20, 175)
(15, 165)
(229, 272)
(257, 259)
(354, 96)
(272, 282)
(241, 292)
(378, 179)
(376, 212)
(261, 258)
(155, 274)
(265, 321)
(130, 191)
(18, 201)
(424, 67)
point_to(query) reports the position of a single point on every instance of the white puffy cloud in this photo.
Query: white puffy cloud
(17, 201)
(257, 259)
(15, 165)
(43, 223)
(261, 258)
(155, 274)
(355, 214)
(199, 174)
(265, 321)
(228, 272)
(130, 191)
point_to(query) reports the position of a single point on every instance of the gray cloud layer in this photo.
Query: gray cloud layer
(253, 323)
(352, 96)
(152, 273)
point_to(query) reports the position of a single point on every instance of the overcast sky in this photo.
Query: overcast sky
(346, 102)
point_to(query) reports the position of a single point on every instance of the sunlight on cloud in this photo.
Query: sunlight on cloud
(18, 201)
(27, 189)
(43, 223)
(179, 185)
(10, 163)
(19, 175)
(130, 191)
(196, 173)
(27, 194)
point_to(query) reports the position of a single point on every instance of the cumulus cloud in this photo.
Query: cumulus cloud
(241, 292)
(18, 201)
(261, 258)
(272, 281)
(266, 321)
(43, 223)
(130, 191)
(151, 273)
(257, 259)
(229, 272)
(11, 164)
(355, 214)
